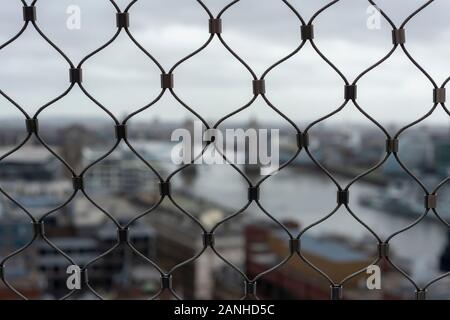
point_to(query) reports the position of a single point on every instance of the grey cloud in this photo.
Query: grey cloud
(261, 31)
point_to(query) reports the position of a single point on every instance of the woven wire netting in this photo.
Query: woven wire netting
(168, 87)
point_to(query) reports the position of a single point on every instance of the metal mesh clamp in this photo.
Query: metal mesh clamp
(439, 95)
(350, 92)
(215, 26)
(164, 188)
(29, 13)
(336, 292)
(211, 134)
(253, 194)
(383, 250)
(32, 125)
(421, 294)
(78, 183)
(391, 145)
(38, 228)
(208, 239)
(123, 235)
(259, 87)
(166, 281)
(76, 75)
(307, 32)
(121, 131)
(302, 140)
(398, 36)
(250, 288)
(167, 81)
(430, 201)
(122, 20)
(294, 245)
(343, 197)
(84, 277)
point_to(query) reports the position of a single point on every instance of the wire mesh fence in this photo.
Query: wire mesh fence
(213, 28)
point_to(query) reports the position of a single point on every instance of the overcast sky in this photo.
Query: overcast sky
(214, 83)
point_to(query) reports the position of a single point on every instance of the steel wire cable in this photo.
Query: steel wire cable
(306, 30)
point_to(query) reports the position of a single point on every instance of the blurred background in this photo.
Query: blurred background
(214, 84)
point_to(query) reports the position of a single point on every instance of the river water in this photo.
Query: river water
(306, 196)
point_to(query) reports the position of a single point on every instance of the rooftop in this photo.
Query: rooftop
(328, 249)
(27, 154)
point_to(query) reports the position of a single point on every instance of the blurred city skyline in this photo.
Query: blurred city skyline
(97, 187)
